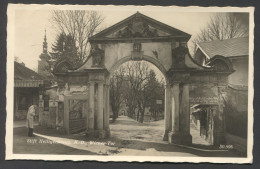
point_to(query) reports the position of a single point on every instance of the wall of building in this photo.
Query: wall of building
(240, 76)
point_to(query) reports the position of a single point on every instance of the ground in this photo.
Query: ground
(128, 137)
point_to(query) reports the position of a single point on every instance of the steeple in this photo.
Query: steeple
(45, 44)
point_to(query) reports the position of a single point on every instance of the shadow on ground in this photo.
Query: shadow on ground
(21, 145)
(126, 133)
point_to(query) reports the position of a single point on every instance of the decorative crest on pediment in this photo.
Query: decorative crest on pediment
(137, 28)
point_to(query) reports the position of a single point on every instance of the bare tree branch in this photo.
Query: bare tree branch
(80, 24)
(222, 26)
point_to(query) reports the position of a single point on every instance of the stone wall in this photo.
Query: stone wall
(236, 112)
(236, 118)
(54, 116)
(48, 117)
(240, 76)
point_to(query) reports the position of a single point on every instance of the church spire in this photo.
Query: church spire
(45, 44)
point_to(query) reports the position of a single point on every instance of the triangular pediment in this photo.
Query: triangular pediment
(139, 26)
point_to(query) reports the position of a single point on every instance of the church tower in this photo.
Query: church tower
(44, 67)
(45, 44)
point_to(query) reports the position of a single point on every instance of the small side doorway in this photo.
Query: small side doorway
(207, 124)
(204, 119)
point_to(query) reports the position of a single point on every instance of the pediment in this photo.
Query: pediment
(139, 26)
(138, 30)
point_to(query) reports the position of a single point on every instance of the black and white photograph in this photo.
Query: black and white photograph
(130, 83)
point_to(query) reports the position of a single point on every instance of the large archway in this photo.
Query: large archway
(161, 68)
(142, 38)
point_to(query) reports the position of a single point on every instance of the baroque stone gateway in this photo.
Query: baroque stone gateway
(83, 93)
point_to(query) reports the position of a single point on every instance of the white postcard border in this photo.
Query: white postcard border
(10, 84)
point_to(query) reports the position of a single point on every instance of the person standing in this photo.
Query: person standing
(30, 118)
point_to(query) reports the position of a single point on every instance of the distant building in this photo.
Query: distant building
(44, 66)
(26, 89)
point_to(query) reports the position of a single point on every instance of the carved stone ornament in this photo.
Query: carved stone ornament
(178, 57)
(137, 47)
(97, 56)
(66, 89)
(137, 28)
(137, 53)
(220, 64)
(62, 66)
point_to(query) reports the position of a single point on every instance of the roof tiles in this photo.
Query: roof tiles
(21, 72)
(228, 48)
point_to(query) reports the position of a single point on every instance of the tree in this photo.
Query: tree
(135, 85)
(80, 24)
(65, 47)
(155, 90)
(116, 86)
(224, 26)
(136, 75)
(142, 88)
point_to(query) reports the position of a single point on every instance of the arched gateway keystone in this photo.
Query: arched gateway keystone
(140, 37)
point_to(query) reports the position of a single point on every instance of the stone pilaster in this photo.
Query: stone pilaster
(106, 110)
(180, 133)
(100, 110)
(91, 116)
(185, 115)
(174, 135)
(167, 112)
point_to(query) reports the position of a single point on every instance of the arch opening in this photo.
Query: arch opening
(140, 115)
(146, 58)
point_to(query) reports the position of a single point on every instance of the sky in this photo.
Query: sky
(30, 26)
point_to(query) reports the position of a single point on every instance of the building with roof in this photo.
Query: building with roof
(236, 49)
(26, 89)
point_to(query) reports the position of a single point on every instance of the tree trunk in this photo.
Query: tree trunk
(137, 119)
(142, 116)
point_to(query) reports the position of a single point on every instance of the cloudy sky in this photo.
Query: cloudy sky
(30, 26)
